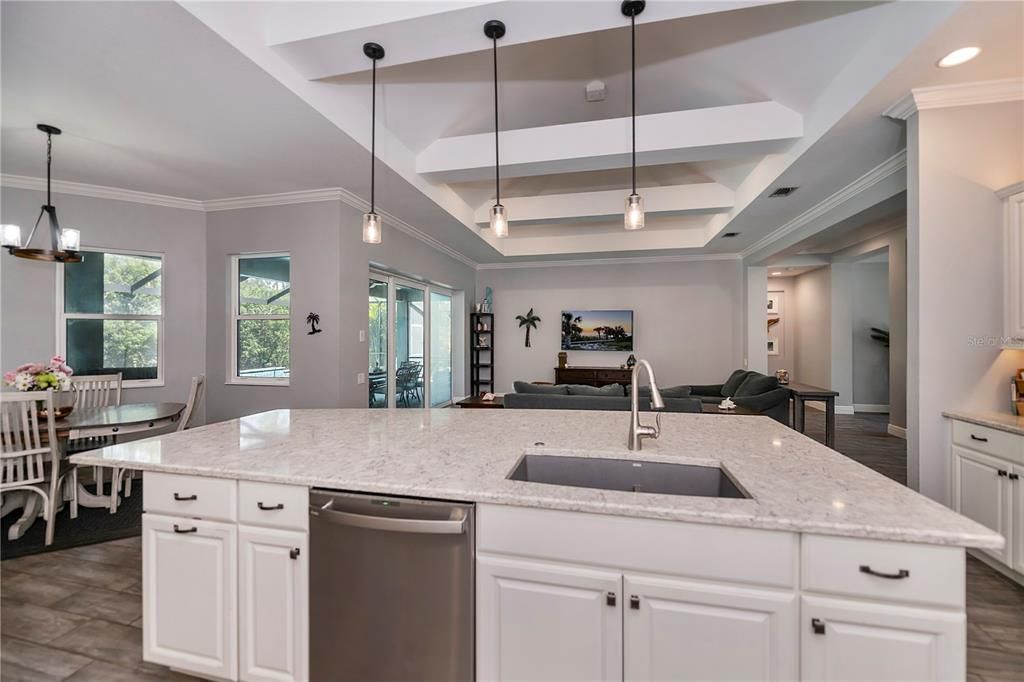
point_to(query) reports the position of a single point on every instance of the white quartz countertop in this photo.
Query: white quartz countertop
(796, 483)
(1002, 421)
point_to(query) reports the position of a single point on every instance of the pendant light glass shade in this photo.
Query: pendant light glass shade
(499, 221)
(70, 239)
(371, 228)
(634, 212)
(10, 235)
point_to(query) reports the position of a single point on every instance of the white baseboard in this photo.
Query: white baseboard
(844, 409)
(820, 407)
(868, 407)
(897, 431)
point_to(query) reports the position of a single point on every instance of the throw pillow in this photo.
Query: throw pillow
(527, 387)
(734, 381)
(609, 390)
(670, 392)
(756, 384)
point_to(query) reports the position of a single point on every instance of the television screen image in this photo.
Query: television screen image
(607, 330)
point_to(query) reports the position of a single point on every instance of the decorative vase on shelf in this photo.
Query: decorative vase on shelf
(782, 375)
(563, 360)
(63, 403)
(630, 361)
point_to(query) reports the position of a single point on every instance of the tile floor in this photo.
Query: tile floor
(83, 621)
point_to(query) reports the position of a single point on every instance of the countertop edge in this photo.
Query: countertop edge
(739, 520)
(983, 420)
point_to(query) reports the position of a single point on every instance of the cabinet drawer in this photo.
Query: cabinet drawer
(991, 441)
(850, 566)
(571, 376)
(190, 496)
(618, 375)
(274, 505)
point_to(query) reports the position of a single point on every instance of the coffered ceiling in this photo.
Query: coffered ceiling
(209, 100)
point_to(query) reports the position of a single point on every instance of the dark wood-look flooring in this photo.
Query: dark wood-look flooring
(995, 604)
(75, 614)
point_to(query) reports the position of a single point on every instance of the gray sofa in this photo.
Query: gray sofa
(749, 389)
(548, 401)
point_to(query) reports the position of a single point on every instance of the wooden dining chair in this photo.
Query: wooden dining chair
(195, 396)
(96, 390)
(27, 447)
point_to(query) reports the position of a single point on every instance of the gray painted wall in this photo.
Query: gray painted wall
(814, 331)
(28, 295)
(687, 317)
(330, 269)
(870, 357)
(956, 159)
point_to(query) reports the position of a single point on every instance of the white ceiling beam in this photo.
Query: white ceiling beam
(417, 36)
(692, 199)
(737, 130)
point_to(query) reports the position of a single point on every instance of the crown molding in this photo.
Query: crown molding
(1010, 190)
(306, 196)
(959, 95)
(100, 192)
(894, 164)
(627, 260)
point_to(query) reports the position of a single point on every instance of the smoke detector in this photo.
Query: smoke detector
(596, 91)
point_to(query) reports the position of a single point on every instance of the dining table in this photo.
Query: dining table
(111, 421)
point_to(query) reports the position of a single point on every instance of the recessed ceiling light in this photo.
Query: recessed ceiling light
(958, 57)
(776, 274)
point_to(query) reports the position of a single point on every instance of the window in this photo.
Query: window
(112, 315)
(261, 319)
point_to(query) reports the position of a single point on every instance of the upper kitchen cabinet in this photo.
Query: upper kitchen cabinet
(1013, 295)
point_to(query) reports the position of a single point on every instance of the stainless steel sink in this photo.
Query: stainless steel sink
(628, 475)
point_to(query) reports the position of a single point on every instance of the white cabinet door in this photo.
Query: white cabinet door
(190, 594)
(981, 491)
(1013, 241)
(543, 621)
(853, 640)
(1015, 517)
(687, 630)
(273, 579)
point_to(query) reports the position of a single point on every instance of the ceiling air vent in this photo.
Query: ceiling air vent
(782, 192)
(730, 235)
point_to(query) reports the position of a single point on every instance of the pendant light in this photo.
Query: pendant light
(65, 242)
(634, 219)
(371, 221)
(495, 29)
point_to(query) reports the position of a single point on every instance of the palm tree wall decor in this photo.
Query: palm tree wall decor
(313, 320)
(529, 320)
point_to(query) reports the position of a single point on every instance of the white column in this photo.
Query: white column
(756, 319)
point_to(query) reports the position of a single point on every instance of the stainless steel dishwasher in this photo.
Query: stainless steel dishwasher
(391, 588)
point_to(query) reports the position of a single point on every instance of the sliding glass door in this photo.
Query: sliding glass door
(410, 343)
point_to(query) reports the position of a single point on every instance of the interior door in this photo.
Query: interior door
(850, 640)
(541, 621)
(688, 630)
(981, 491)
(190, 595)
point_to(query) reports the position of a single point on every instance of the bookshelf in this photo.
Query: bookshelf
(481, 355)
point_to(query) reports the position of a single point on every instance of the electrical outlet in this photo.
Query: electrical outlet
(362, 336)
(361, 378)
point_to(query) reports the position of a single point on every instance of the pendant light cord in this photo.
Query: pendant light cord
(49, 162)
(632, 31)
(497, 165)
(373, 135)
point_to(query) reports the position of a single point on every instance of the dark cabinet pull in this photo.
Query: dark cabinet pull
(979, 438)
(610, 599)
(294, 553)
(634, 602)
(818, 625)
(900, 575)
(151, 424)
(193, 529)
(184, 498)
(269, 507)
(1002, 472)
(1014, 477)
(114, 429)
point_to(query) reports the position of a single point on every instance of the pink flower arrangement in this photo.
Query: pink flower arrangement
(39, 376)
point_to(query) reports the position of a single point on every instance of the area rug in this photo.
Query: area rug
(92, 525)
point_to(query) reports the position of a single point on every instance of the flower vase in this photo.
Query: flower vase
(63, 403)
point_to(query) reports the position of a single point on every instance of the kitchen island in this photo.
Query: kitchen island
(827, 569)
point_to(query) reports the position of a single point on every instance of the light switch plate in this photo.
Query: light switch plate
(362, 336)
(361, 378)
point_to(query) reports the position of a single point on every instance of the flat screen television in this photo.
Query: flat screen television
(602, 330)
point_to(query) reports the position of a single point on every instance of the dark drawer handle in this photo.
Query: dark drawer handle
(1014, 477)
(610, 599)
(634, 602)
(1002, 472)
(818, 626)
(269, 507)
(900, 575)
(184, 498)
(115, 429)
(193, 529)
(979, 438)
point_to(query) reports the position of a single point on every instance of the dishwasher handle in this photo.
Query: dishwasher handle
(389, 523)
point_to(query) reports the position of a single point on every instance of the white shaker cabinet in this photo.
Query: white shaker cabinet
(1013, 274)
(690, 630)
(190, 595)
(859, 640)
(982, 492)
(547, 622)
(273, 576)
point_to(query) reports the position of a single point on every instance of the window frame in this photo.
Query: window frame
(62, 317)
(234, 316)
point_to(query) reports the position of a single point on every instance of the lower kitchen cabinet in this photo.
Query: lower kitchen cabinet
(273, 576)
(687, 630)
(982, 491)
(190, 595)
(541, 621)
(852, 640)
